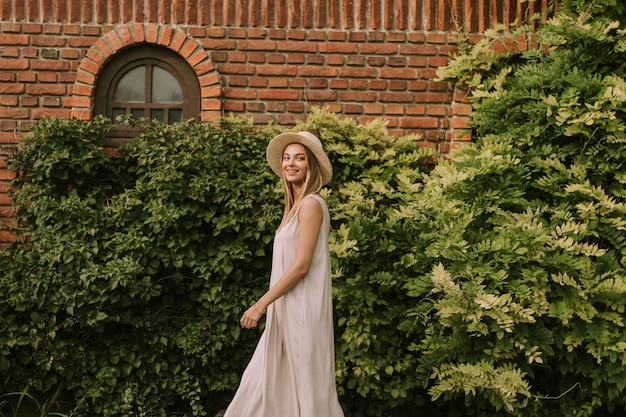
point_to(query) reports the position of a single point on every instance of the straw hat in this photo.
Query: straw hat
(279, 143)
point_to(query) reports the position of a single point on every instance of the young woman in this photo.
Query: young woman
(292, 371)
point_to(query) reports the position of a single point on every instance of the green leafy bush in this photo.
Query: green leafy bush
(137, 268)
(128, 291)
(523, 233)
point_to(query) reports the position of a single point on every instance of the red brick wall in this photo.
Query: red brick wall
(266, 59)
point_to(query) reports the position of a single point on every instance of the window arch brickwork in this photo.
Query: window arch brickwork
(129, 35)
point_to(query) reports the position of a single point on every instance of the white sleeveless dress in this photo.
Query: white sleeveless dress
(292, 370)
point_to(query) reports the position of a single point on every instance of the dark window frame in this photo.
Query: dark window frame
(149, 55)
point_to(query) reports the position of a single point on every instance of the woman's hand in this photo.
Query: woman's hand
(251, 317)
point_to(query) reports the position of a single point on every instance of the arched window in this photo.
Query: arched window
(147, 81)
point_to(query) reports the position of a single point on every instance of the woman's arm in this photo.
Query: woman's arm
(310, 217)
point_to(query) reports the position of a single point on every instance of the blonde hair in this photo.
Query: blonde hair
(312, 184)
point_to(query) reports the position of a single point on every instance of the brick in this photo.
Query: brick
(420, 122)
(398, 73)
(428, 73)
(297, 83)
(257, 33)
(395, 97)
(276, 106)
(236, 69)
(71, 54)
(209, 79)
(460, 109)
(356, 60)
(278, 95)
(409, 49)
(378, 85)
(215, 91)
(216, 32)
(197, 57)
(256, 45)
(394, 109)
(376, 61)
(277, 34)
(320, 95)
(417, 61)
(8, 27)
(290, 119)
(50, 112)
(336, 36)
(90, 67)
(336, 60)
(378, 49)
(51, 102)
(283, 70)
(6, 100)
(416, 37)
(295, 107)
(338, 48)
(416, 109)
(436, 38)
(258, 82)
(296, 34)
(338, 84)
(10, 52)
(357, 37)
(436, 110)
(353, 108)
(26, 101)
(354, 72)
(281, 82)
(46, 89)
(47, 77)
(373, 108)
(242, 94)
(32, 27)
(12, 88)
(13, 64)
(306, 71)
(376, 37)
(188, 48)
(427, 97)
(256, 58)
(8, 39)
(92, 30)
(82, 90)
(235, 81)
(418, 85)
(358, 84)
(316, 35)
(310, 59)
(234, 106)
(14, 113)
(294, 46)
(359, 96)
(396, 85)
(237, 57)
(276, 58)
(437, 61)
(317, 83)
(397, 61)
(82, 102)
(255, 107)
(218, 44)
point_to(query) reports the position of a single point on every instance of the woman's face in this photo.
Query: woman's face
(294, 163)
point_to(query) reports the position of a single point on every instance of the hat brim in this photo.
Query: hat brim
(278, 144)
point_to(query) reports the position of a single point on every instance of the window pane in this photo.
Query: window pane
(176, 116)
(157, 114)
(137, 113)
(118, 112)
(132, 86)
(165, 88)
